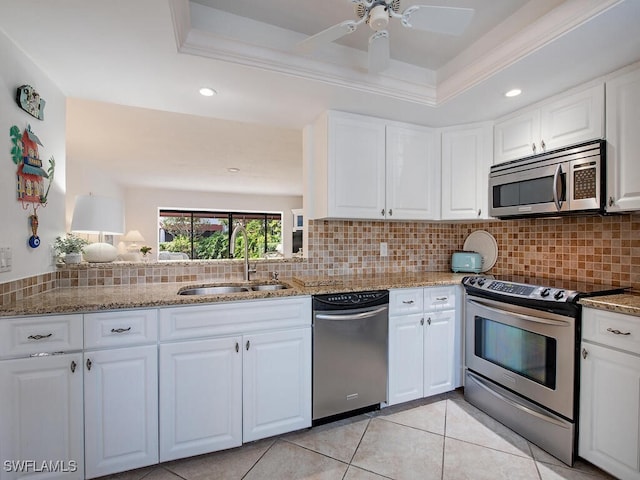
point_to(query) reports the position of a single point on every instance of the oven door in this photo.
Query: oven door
(527, 351)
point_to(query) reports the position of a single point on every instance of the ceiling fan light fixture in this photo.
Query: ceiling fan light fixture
(514, 92)
(378, 18)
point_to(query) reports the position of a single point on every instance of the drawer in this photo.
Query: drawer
(405, 300)
(612, 329)
(233, 318)
(22, 336)
(120, 328)
(440, 298)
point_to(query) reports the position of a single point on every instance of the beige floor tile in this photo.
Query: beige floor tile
(466, 461)
(400, 452)
(355, 473)
(161, 474)
(227, 464)
(337, 440)
(287, 461)
(579, 472)
(136, 474)
(427, 417)
(467, 423)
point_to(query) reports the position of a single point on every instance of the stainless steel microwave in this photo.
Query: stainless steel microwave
(566, 181)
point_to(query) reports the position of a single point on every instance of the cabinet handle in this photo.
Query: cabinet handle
(237, 347)
(120, 330)
(422, 321)
(89, 364)
(390, 212)
(542, 145)
(611, 202)
(479, 212)
(617, 332)
(382, 212)
(408, 302)
(73, 366)
(39, 337)
(533, 147)
(584, 353)
(429, 321)
(441, 299)
(248, 345)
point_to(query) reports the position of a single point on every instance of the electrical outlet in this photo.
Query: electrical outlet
(383, 249)
(5, 259)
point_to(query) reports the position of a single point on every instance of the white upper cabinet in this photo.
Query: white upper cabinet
(564, 120)
(364, 167)
(467, 155)
(623, 142)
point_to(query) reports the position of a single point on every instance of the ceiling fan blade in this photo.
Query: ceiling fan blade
(379, 51)
(327, 36)
(447, 20)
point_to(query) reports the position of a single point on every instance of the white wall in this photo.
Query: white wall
(16, 70)
(142, 205)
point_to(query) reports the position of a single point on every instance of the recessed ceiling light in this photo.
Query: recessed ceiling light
(233, 170)
(207, 92)
(513, 93)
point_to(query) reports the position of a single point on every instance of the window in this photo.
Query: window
(205, 235)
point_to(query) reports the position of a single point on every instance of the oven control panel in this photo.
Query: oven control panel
(514, 289)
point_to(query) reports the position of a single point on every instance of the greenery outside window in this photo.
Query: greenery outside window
(205, 235)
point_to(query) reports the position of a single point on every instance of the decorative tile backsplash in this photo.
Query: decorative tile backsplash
(604, 249)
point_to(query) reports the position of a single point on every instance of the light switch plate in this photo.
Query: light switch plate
(5, 259)
(383, 249)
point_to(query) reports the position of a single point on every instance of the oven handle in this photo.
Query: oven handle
(521, 316)
(478, 381)
(556, 177)
(356, 316)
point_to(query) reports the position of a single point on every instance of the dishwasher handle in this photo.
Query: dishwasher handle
(355, 316)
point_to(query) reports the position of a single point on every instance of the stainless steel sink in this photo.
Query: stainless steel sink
(270, 286)
(214, 290)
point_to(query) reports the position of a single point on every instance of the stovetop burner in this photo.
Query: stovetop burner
(536, 289)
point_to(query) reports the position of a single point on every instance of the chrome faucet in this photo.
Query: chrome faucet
(232, 248)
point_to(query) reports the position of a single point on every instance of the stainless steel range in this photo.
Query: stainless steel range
(521, 348)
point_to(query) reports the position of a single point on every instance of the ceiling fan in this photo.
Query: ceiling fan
(377, 13)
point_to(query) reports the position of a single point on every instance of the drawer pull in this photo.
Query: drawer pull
(408, 302)
(39, 337)
(617, 332)
(441, 299)
(120, 330)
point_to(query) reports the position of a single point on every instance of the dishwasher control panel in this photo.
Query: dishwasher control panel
(350, 300)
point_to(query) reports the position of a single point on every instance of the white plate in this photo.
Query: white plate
(485, 244)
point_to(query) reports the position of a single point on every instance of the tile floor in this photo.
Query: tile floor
(442, 438)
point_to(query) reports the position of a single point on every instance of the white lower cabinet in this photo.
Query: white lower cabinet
(120, 391)
(41, 417)
(200, 397)
(422, 343)
(250, 379)
(610, 393)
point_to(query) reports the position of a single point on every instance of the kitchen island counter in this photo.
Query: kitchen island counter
(149, 295)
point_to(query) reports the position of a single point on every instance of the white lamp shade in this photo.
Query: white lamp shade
(96, 214)
(133, 236)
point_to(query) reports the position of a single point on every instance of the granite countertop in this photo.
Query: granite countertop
(88, 299)
(627, 303)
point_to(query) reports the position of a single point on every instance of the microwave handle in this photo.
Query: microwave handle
(556, 179)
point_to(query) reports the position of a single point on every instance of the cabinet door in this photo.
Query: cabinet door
(610, 410)
(406, 358)
(573, 119)
(41, 417)
(121, 409)
(412, 173)
(356, 173)
(517, 137)
(467, 155)
(439, 352)
(623, 142)
(200, 397)
(276, 383)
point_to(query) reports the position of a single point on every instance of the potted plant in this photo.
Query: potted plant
(71, 246)
(145, 250)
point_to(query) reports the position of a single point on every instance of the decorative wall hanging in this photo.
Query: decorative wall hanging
(30, 101)
(30, 175)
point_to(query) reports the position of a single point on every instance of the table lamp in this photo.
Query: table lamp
(101, 215)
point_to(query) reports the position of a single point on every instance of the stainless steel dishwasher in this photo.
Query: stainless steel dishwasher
(350, 334)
